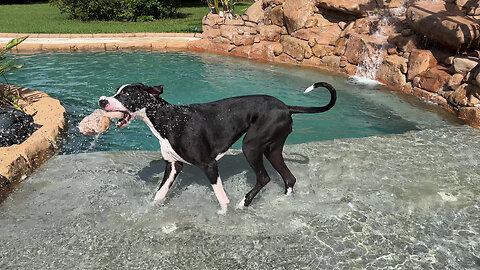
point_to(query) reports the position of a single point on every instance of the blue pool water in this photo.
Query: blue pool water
(77, 80)
(398, 191)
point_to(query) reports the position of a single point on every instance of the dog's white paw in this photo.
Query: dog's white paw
(223, 210)
(159, 197)
(289, 191)
(241, 205)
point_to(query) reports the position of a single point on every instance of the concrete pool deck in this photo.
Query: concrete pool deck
(99, 42)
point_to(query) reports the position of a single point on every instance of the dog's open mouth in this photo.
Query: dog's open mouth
(125, 120)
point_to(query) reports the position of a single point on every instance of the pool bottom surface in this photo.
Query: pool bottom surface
(405, 201)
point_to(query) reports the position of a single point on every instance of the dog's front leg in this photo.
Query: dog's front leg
(172, 169)
(211, 170)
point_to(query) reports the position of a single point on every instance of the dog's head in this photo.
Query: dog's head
(131, 100)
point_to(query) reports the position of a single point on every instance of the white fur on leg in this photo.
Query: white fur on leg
(221, 196)
(241, 205)
(162, 192)
(289, 191)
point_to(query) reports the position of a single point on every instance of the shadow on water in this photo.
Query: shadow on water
(229, 166)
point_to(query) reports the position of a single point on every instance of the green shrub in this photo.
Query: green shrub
(121, 10)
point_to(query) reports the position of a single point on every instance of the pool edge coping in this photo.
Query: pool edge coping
(108, 42)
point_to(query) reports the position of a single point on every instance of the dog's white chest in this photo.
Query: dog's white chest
(167, 151)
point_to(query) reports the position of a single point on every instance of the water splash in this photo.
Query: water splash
(93, 143)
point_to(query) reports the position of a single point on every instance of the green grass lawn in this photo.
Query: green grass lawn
(43, 18)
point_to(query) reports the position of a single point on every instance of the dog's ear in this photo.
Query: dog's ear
(155, 91)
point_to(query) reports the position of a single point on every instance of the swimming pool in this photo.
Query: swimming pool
(79, 79)
(384, 181)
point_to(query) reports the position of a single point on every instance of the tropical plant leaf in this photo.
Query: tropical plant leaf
(14, 42)
(15, 67)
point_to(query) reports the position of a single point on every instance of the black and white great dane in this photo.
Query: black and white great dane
(200, 134)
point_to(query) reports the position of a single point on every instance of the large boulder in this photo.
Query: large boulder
(243, 40)
(355, 7)
(434, 79)
(296, 13)
(392, 70)
(228, 31)
(470, 113)
(325, 35)
(459, 96)
(269, 32)
(360, 46)
(444, 23)
(332, 61)
(276, 16)
(296, 48)
(354, 49)
(255, 12)
(211, 32)
(212, 19)
(264, 50)
(419, 62)
(323, 50)
(465, 64)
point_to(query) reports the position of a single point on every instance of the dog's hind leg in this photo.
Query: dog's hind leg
(274, 155)
(211, 170)
(172, 169)
(254, 154)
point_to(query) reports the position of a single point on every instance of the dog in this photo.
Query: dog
(200, 134)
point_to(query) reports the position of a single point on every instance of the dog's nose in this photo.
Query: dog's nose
(103, 103)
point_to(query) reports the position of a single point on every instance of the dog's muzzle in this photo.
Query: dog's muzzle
(103, 102)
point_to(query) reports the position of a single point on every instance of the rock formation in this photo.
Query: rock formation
(430, 49)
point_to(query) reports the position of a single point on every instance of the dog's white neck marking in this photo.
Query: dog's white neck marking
(167, 150)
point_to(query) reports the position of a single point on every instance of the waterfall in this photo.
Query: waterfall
(374, 49)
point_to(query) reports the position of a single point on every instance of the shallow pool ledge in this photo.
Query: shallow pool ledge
(19, 160)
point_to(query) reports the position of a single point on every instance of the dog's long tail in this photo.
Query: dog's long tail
(333, 99)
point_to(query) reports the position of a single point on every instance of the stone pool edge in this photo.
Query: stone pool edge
(18, 161)
(99, 42)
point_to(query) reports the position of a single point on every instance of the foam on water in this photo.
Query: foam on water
(379, 202)
(358, 80)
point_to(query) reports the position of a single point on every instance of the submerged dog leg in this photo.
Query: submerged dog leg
(172, 169)
(211, 171)
(221, 196)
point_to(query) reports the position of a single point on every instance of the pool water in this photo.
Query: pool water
(397, 188)
(79, 79)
